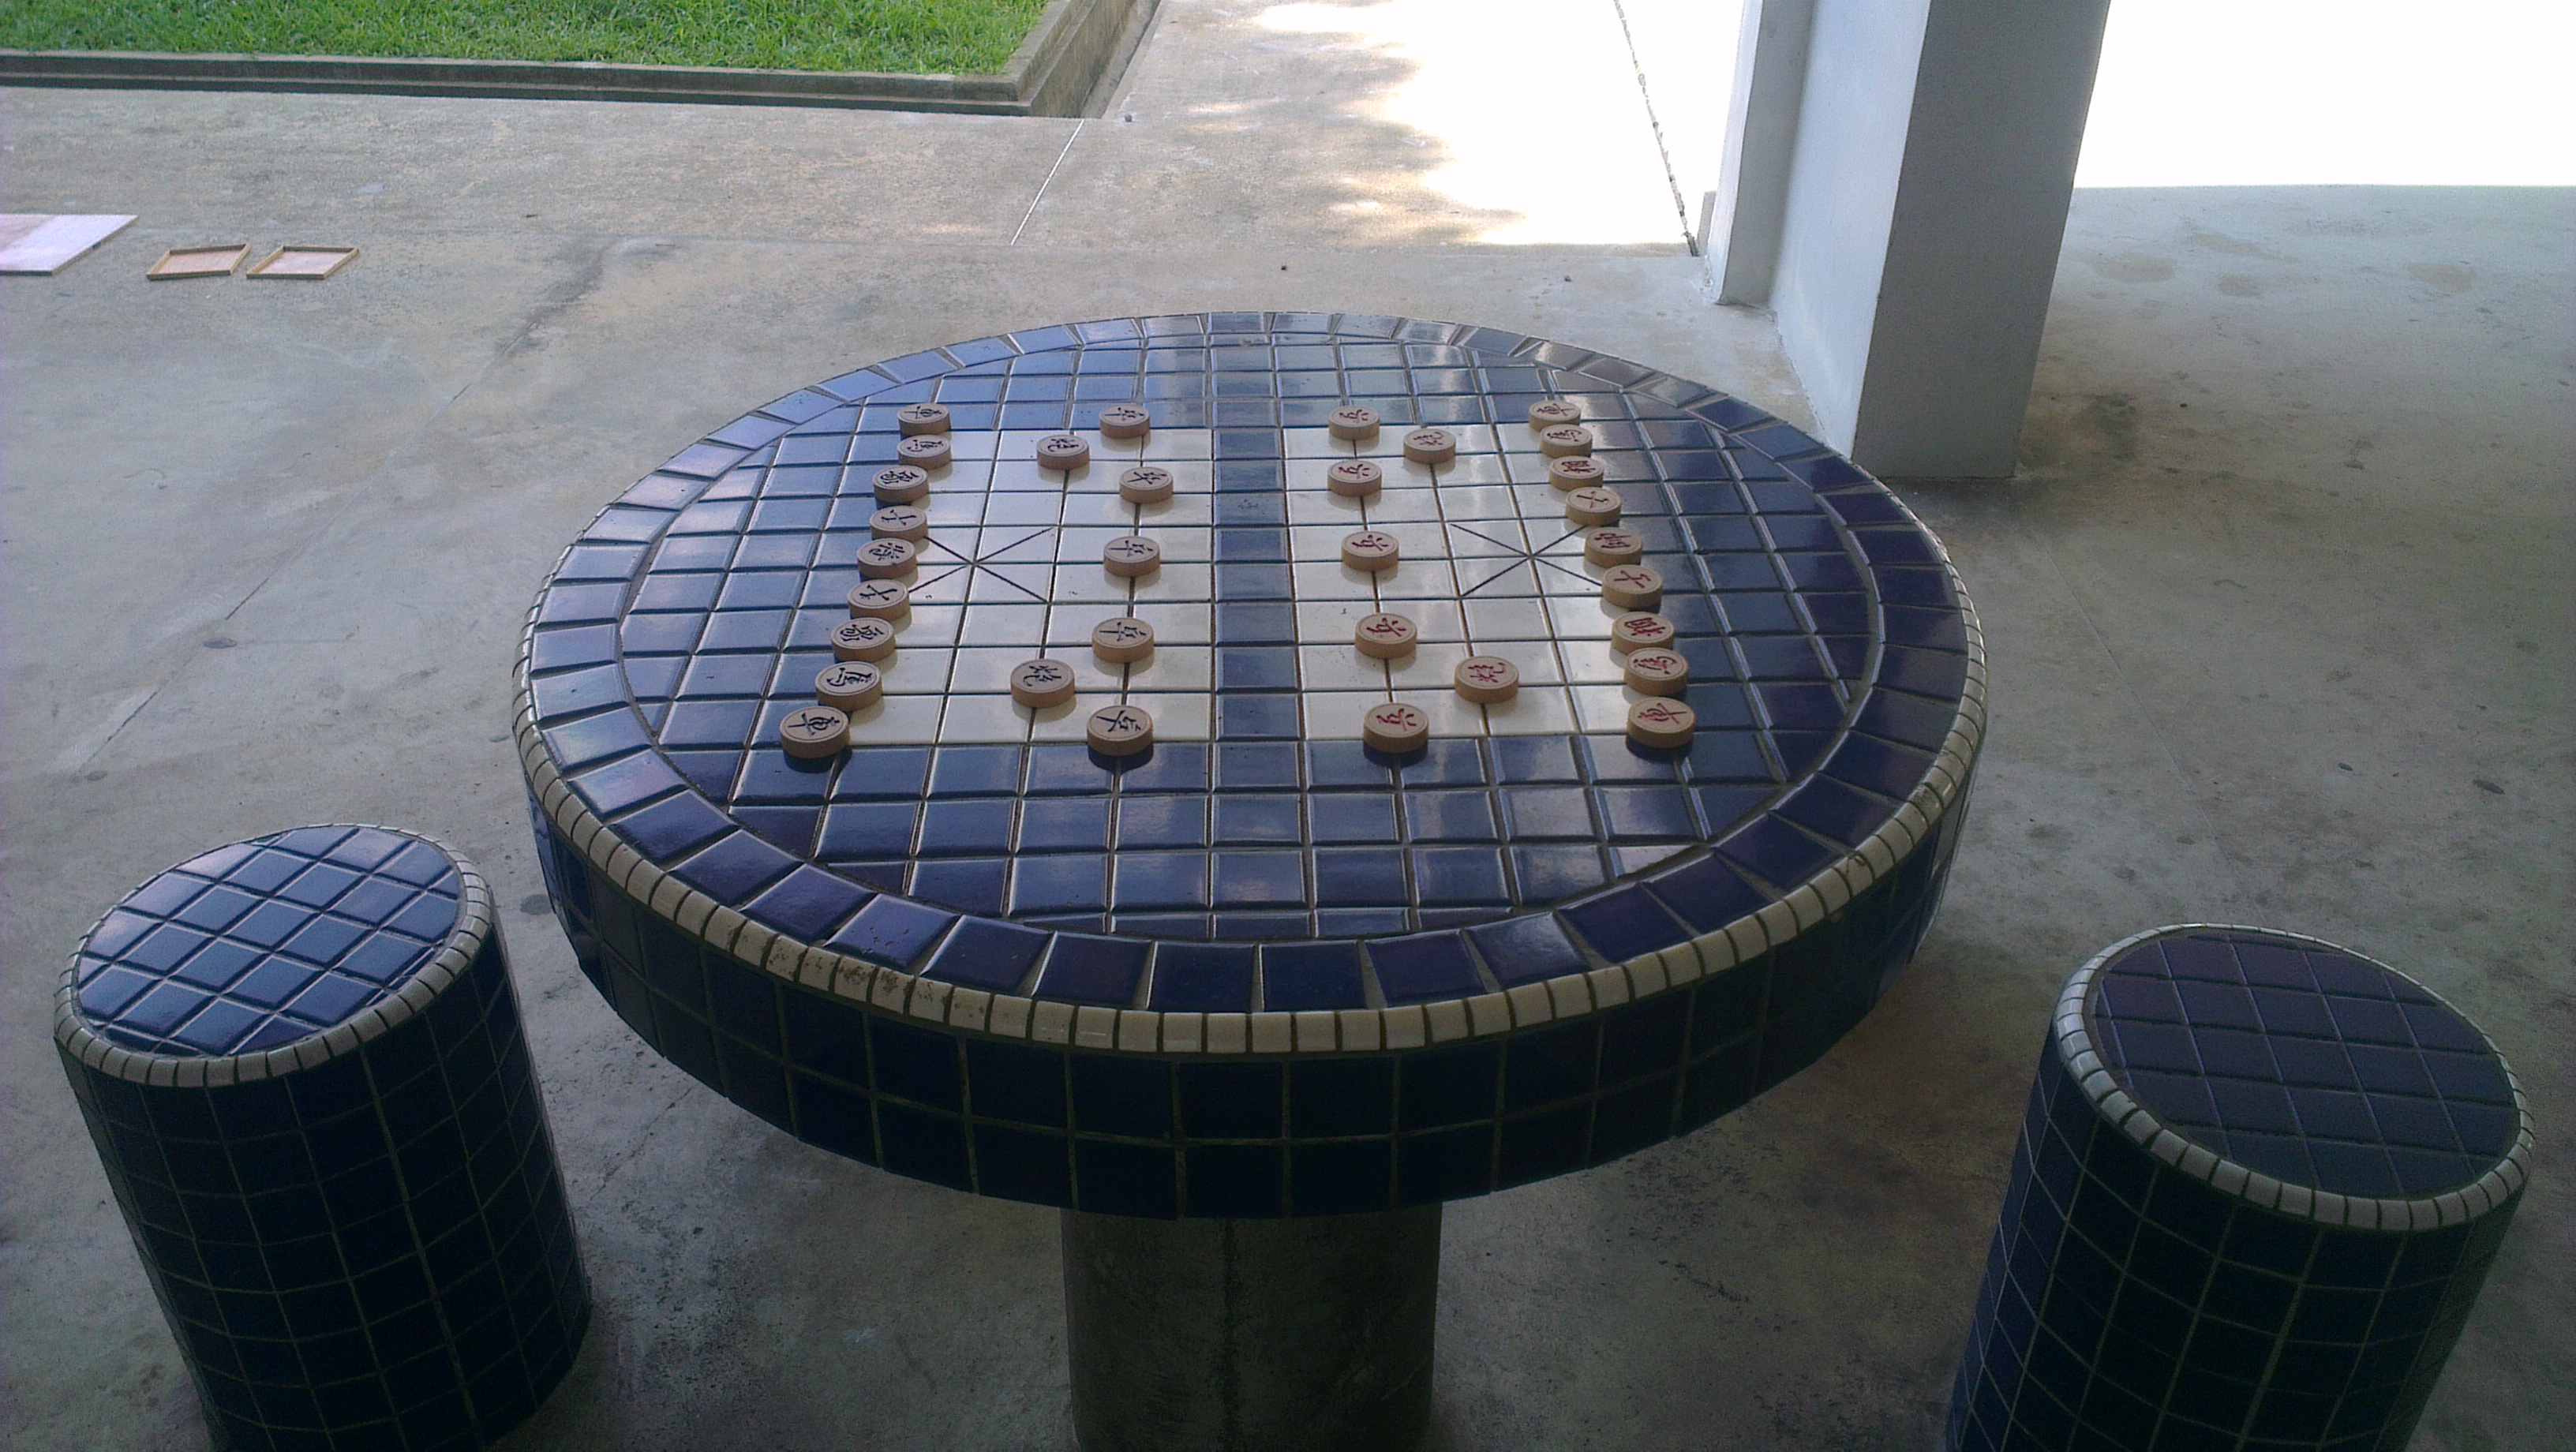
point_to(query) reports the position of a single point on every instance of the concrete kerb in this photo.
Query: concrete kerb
(1072, 56)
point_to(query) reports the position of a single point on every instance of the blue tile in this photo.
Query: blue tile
(1074, 825)
(1526, 949)
(1071, 883)
(1301, 976)
(1458, 876)
(987, 954)
(1122, 1096)
(1362, 877)
(1179, 821)
(809, 904)
(1626, 924)
(1450, 816)
(1202, 977)
(1098, 970)
(734, 867)
(1423, 966)
(1160, 880)
(1251, 879)
(1359, 817)
(893, 931)
(1549, 874)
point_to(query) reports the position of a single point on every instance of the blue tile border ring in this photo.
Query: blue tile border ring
(1303, 976)
(411, 987)
(890, 983)
(2178, 1148)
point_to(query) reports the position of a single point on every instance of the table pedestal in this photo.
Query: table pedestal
(1237, 1335)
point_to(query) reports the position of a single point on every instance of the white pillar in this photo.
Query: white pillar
(1913, 227)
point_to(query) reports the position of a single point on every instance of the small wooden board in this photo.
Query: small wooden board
(181, 262)
(301, 263)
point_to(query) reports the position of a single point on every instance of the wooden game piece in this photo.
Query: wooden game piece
(1125, 421)
(1597, 505)
(1614, 547)
(880, 600)
(1662, 723)
(1657, 671)
(1354, 478)
(1576, 471)
(1131, 555)
(900, 521)
(1120, 730)
(889, 558)
(1431, 446)
(849, 685)
(901, 484)
(1063, 451)
(921, 418)
(1638, 631)
(1354, 421)
(1145, 484)
(1549, 413)
(1565, 440)
(1384, 637)
(1486, 679)
(926, 451)
(1041, 683)
(1369, 549)
(1633, 587)
(866, 638)
(810, 733)
(1123, 640)
(1395, 728)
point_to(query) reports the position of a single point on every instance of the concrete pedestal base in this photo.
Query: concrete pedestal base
(1251, 1335)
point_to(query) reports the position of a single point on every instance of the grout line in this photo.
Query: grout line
(1070, 137)
(1663, 153)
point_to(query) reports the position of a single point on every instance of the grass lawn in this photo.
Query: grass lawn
(967, 37)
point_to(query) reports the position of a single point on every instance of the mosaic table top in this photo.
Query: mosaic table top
(977, 853)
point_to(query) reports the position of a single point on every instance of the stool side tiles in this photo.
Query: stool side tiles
(267, 1095)
(2378, 1255)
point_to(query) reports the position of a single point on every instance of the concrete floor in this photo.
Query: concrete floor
(2279, 610)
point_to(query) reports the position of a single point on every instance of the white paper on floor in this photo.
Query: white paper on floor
(38, 242)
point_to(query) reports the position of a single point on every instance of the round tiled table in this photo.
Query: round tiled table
(1260, 969)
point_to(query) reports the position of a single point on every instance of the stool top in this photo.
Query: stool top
(2298, 1069)
(263, 945)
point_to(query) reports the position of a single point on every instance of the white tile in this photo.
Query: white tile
(1178, 622)
(1451, 714)
(1173, 668)
(1177, 582)
(1168, 446)
(1322, 506)
(982, 718)
(1339, 668)
(1432, 666)
(1176, 718)
(1535, 711)
(918, 671)
(1335, 581)
(1602, 708)
(1335, 715)
(1004, 625)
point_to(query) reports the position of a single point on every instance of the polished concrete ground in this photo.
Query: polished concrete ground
(2279, 610)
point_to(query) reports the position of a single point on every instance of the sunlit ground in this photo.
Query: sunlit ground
(1536, 112)
(1533, 109)
(2310, 92)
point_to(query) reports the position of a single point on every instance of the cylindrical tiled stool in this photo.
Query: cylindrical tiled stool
(301, 1060)
(2260, 1183)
